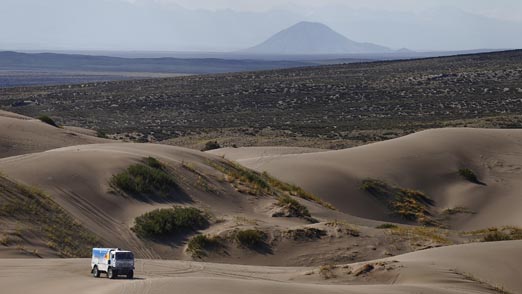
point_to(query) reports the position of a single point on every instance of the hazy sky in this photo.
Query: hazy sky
(222, 25)
(504, 9)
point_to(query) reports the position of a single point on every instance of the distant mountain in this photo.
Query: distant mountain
(313, 38)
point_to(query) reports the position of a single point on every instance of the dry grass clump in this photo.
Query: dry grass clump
(327, 271)
(422, 234)
(496, 288)
(409, 204)
(296, 191)
(305, 234)
(293, 207)
(256, 183)
(506, 233)
(250, 238)
(200, 244)
(343, 227)
(240, 177)
(38, 212)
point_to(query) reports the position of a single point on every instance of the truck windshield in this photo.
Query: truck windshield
(124, 255)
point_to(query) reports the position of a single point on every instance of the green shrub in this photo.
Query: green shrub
(101, 134)
(469, 175)
(295, 208)
(166, 221)
(211, 145)
(386, 226)
(201, 243)
(144, 178)
(153, 162)
(46, 119)
(250, 238)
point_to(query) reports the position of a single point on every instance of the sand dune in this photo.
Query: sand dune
(22, 135)
(426, 161)
(442, 270)
(77, 178)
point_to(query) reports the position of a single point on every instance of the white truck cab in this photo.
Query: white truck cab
(113, 262)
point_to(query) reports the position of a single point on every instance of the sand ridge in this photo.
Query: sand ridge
(22, 135)
(427, 161)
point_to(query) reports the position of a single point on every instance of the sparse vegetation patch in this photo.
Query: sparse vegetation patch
(200, 244)
(36, 211)
(262, 183)
(250, 238)
(344, 227)
(296, 191)
(306, 234)
(243, 178)
(291, 207)
(507, 233)
(418, 235)
(327, 271)
(408, 204)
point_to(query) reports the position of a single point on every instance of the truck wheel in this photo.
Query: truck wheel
(95, 272)
(130, 275)
(111, 274)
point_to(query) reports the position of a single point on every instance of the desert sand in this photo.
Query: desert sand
(444, 270)
(74, 169)
(22, 135)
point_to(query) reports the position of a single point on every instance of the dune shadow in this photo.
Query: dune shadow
(479, 182)
(262, 248)
(174, 196)
(176, 239)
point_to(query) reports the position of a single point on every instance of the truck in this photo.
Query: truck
(112, 261)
